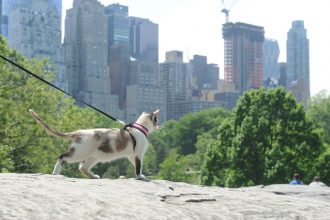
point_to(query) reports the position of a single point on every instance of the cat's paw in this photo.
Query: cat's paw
(96, 177)
(142, 177)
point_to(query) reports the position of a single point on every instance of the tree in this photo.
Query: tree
(191, 125)
(322, 166)
(266, 140)
(173, 168)
(162, 141)
(182, 135)
(191, 134)
(319, 112)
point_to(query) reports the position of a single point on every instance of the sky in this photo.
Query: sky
(194, 27)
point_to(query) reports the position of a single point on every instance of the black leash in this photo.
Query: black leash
(50, 84)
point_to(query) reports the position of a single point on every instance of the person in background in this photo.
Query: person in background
(296, 180)
(317, 182)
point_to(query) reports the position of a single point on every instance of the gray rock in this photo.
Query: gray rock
(41, 196)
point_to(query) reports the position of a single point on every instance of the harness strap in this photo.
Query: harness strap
(141, 128)
(130, 134)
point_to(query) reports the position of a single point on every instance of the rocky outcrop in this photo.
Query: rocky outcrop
(41, 196)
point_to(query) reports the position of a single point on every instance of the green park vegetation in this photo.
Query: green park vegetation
(264, 140)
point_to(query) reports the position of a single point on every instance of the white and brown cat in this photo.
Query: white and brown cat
(104, 145)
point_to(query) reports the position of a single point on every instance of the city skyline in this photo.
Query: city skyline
(183, 24)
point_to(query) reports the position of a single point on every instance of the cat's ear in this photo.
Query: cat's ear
(156, 112)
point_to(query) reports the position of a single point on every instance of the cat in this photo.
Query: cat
(91, 146)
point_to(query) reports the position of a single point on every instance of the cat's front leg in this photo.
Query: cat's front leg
(138, 169)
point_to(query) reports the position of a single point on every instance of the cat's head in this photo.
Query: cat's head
(149, 120)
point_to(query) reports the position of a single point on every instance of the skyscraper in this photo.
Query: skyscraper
(271, 52)
(86, 57)
(143, 90)
(205, 76)
(6, 8)
(243, 55)
(58, 6)
(118, 28)
(298, 79)
(282, 79)
(212, 76)
(34, 29)
(175, 76)
(199, 69)
(143, 39)
(1, 12)
(118, 49)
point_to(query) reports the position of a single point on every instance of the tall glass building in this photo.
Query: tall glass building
(243, 55)
(118, 27)
(298, 79)
(271, 73)
(85, 44)
(175, 78)
(58, 5)
(118, 49)
(143, 39)
(6, 7)
(33, 27)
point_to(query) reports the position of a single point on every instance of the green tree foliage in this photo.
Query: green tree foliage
(174, 168)
(183, 134)
(266, 140)
(162, 141)
(24, 145)
(319, 112)
(186, 131)
(322, 166)
(191, 134)
(150, 161)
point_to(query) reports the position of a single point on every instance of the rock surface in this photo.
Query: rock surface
(41, 196)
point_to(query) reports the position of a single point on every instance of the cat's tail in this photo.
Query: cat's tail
(48, 129)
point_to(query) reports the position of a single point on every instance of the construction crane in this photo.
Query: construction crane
(226, 10)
